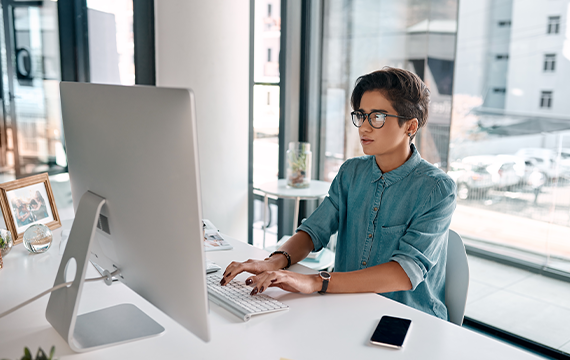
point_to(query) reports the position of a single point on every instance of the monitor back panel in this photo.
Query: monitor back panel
(136, 146)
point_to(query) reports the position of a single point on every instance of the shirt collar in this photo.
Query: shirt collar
(399, 173)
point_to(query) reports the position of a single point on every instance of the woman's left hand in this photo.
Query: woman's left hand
(286, 280)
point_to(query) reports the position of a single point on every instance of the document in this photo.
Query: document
(213, 240)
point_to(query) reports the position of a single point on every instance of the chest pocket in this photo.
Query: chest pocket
(389, 240)
(388, 232)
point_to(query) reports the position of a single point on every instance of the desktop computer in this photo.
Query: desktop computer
(134, 170)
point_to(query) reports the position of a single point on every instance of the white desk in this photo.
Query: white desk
(315, 327)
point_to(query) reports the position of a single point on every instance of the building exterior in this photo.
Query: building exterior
(539, 59)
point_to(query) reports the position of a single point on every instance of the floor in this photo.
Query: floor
(518, 301)
(526, 304)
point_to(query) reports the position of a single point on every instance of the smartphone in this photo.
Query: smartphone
(391, 331)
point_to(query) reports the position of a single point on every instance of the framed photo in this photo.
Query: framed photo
(26, 202)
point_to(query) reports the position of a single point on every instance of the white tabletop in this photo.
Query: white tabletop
(279, 188)
(331, 326)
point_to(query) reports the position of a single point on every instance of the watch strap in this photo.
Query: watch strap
(325, 282)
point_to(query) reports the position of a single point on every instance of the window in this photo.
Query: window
(549, 62)
(546, 99)
(504, 114)
(553, 25)
(266, 109)
(111, 42)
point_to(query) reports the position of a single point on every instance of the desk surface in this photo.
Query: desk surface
(316, 326)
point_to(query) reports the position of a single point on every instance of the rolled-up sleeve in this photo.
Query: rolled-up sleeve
(324, 221)
(420, 247)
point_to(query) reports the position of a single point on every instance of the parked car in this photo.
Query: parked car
(470, 179)
(547, 161)
(478, 174)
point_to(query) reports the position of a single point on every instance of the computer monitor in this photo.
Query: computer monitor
(133, 164)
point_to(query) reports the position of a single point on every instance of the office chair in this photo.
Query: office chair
(457, 278)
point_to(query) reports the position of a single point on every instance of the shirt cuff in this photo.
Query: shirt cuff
(316, 243)
(415, 274)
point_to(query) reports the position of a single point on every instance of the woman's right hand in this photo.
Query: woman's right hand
(253, 266)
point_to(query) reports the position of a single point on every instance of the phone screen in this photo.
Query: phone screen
(391, 331)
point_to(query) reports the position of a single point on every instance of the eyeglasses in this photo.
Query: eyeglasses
(375, 118)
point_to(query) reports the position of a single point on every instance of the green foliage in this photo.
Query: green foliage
(299, 162)
(40, 355)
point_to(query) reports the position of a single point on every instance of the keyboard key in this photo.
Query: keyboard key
(235, 297)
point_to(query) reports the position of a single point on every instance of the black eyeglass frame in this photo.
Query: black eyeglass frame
(353, 115)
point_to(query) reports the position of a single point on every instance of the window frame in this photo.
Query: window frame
(553, 25)
(546, 97)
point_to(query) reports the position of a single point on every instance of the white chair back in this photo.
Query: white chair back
(457, 278)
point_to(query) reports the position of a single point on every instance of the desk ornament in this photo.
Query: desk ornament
(38, 238)
(26, 202)
(299, 165)
(6, 242)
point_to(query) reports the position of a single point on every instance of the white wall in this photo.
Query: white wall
(204, 45)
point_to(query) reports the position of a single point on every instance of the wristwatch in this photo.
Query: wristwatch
(326, 278)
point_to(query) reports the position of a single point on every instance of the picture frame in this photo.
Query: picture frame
(26, 202)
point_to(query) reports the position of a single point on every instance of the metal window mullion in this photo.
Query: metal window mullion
(144, 41)
(289, 70)
(74, 40)
(310, 92)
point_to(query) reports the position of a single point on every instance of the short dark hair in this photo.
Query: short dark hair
(405, 90)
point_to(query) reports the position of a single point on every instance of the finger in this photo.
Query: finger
(265, 282)
(260, 282)
(231, 272)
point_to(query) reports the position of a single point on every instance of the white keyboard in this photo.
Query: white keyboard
(235, 297)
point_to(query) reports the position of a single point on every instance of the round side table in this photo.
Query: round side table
(279, 189)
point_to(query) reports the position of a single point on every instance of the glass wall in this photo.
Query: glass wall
(366, 35)
(510, 157)
(31, 138)
(111, 41)
(498, 73)
(510, 149)
(267, 37)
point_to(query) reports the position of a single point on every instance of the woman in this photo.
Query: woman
(22, 212)
(38, 206)
(391, 208)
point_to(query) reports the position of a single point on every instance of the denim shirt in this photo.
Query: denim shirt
(402, 215)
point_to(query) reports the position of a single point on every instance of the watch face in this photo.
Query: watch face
(325, 275)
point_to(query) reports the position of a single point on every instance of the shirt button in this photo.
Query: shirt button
(364, 263)
(369, 235)
(375, 209)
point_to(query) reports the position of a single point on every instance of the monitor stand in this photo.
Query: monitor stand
(102, 328)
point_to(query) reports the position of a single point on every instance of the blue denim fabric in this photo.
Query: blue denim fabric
(402, 215)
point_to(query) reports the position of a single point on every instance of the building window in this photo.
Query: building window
(553, 25)
(269, 55)
(504, 23)
(499, 90)
(546, 99)
(549, 62)
(502, 56)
